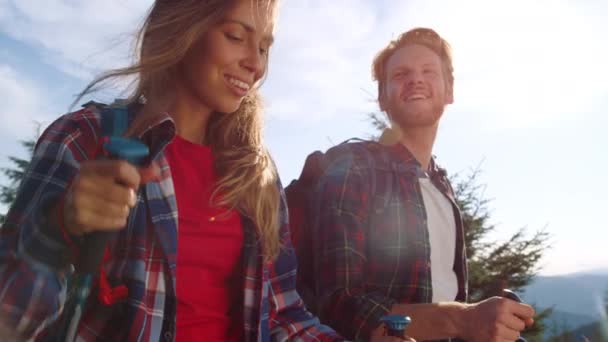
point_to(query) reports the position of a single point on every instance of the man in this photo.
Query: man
(387, 236)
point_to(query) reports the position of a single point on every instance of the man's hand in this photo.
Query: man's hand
(496, 319)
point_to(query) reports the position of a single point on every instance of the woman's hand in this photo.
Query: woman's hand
(378, 336)
(381, 338)
(101, 196)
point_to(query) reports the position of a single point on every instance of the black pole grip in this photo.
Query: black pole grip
(511, 295)
(93, 247)
(92, 250)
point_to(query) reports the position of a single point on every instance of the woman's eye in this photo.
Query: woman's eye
(233, 37)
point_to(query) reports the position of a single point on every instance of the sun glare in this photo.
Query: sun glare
(529, 61)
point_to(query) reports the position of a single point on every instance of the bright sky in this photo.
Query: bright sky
(531, 93)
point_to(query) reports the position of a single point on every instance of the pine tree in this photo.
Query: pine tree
(379, 122)
(493, 265)
(15, 174)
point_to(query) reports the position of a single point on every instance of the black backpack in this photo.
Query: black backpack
(300, 194)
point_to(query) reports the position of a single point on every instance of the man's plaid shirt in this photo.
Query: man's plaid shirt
(370, 242)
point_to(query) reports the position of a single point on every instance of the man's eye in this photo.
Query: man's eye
(401, 74)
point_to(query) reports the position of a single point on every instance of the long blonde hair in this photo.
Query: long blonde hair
(247, 176)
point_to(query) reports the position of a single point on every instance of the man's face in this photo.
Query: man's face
(415, 91)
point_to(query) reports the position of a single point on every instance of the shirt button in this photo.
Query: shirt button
(168, 336)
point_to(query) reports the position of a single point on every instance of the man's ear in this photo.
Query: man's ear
(382, 100)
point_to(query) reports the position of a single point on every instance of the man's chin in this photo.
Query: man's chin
(417, 120)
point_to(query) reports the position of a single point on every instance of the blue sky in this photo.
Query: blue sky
(531, 93)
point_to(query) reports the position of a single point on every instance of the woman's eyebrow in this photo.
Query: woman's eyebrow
(248, 28)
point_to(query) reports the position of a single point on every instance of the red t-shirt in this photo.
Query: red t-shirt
(210, 239)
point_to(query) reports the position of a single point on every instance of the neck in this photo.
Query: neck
(190, 118)
(419, 141)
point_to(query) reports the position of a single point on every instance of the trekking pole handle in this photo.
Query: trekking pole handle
(134, 152)
(395, 325)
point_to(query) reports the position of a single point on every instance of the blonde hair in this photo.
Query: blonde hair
(248, 180)
(420, 36)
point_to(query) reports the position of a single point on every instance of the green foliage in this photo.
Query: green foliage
(379, 122)
(15, 173)
(495, 265)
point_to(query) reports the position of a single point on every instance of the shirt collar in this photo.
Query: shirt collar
(156, 129)
(405, 160)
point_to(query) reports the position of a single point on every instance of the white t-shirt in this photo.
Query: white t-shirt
(442, 236)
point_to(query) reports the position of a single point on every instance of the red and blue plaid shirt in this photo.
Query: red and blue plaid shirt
(35, 260)
(370, 242)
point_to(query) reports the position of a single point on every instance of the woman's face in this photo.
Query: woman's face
(228, 61)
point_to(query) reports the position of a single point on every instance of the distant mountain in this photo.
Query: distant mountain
(568, 321)
(581, 294)
(597, 271)
(592, 332)
(577, 301)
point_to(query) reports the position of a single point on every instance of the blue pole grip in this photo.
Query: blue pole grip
(131, 150)
(395, 325)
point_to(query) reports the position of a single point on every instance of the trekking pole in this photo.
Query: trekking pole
(513, 296)
(94, 244)
(395, 325)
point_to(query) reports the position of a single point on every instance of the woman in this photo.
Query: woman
(196, 107)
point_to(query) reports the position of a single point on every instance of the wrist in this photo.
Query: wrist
(435, 321)
(462, 319)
